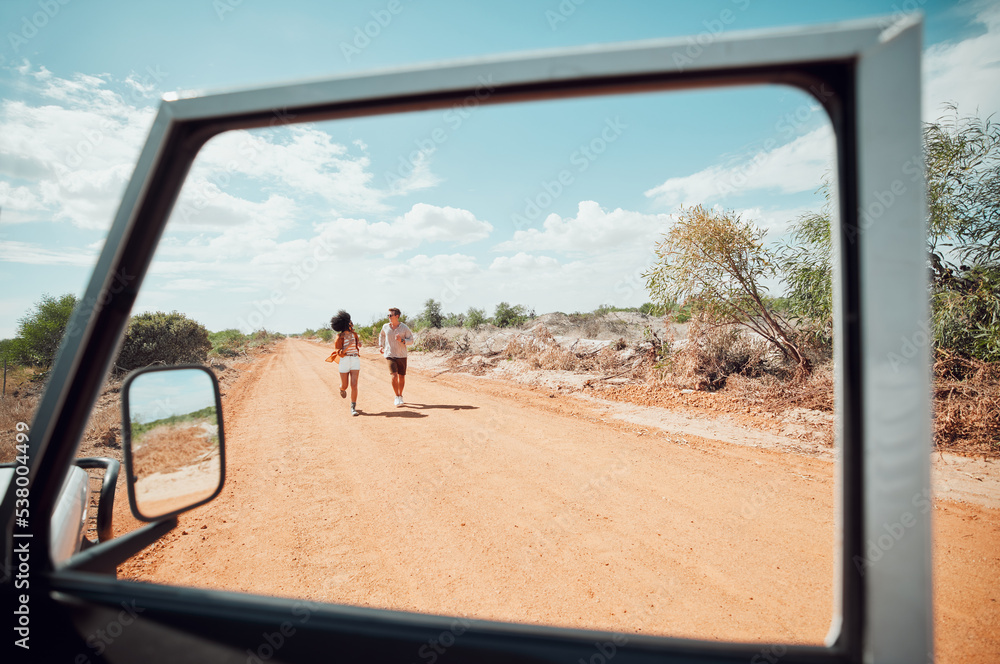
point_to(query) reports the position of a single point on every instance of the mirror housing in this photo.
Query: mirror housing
(173, 439)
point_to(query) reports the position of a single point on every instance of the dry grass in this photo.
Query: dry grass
(966, 405)
(17, 405)
(540, 350)
(433, 339)
(104, 426)
(776, 395)
(172, 447)
(712, 354)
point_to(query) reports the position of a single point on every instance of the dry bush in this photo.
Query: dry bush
(591, 328)
(608, 358)
(541, 351)
(14, 409)
(713, 353)
(966, 404)
(463, 344)
(23, 391)
(432, 339)
(556, 358)
(169, 448)
(776, 395)
(104, 426)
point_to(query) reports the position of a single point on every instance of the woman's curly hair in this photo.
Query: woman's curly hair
(341, 322)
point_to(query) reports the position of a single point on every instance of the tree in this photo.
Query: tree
(475, 317)
(453, 320)
(966, 314)
(507, 315)
(962, 160)
(807, 270)
(41, 331)
(715, 262)
(431, 315)
(161, 338)
(11, 351)
(962, 164)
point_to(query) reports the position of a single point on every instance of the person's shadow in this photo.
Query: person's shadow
(409, 410)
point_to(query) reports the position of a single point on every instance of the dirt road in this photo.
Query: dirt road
(485, 500)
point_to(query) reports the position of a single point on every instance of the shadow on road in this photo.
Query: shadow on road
(392, 413)
(408, 410)
(428, 406)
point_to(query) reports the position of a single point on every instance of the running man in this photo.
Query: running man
(392, 341)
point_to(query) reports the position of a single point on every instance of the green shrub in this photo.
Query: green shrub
(227, 343)
(232, 342)
(325, 334)
(507, 315)
(11, 351)
(807, 270)
(431, 316)
(604, 309)
(369, 333)
(966, 315)
(161, 338)
(453, 320)
(262, 338)
(475, 317)
(41, 331)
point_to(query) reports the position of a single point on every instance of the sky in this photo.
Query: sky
(556, 205)
(157, 395)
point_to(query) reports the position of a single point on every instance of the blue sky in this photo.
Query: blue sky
(161, 394)
(553, 205)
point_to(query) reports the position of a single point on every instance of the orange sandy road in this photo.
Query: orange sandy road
(484, 500)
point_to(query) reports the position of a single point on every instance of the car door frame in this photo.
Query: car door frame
(865, 74)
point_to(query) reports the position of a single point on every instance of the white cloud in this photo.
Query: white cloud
(358, 237)
(775, 222)
(299, 159)
(18, 199)
(190, 285)
(76, 149)
(592, 230)
(78, 152)
(422, 223)
(967, 72)
(791, 168)
(33, 254)
(442, 265)
(431, 223)
(419, 177)
(524, 264)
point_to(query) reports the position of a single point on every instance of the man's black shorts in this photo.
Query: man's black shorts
(397, 365)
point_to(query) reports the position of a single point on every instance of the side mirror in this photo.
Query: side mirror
(173, 440)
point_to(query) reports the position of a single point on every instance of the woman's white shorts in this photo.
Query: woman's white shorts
(349, 363)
